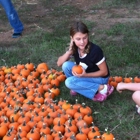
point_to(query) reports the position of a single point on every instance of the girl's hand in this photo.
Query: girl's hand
(79, 75)
(119, 87)
(71, 44)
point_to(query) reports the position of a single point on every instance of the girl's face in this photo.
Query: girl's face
(80, 40)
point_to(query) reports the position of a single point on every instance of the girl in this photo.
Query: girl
(133, 87)
(92, 83)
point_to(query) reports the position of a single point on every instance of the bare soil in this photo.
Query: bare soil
(103, 17)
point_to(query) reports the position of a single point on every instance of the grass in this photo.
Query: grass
(120, 43)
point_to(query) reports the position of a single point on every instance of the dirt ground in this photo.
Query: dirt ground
(103, 17)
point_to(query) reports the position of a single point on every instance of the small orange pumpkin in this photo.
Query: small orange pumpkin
(118, 79)
(42, 67)
(128, 80)
(77, 69)
(107, 135)
(136, 79)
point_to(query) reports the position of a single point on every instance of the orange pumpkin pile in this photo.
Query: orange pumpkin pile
(28, 110)
(117, 79)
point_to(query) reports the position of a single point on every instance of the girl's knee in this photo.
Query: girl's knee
(67, 83)
(65, 65)
(136, 95)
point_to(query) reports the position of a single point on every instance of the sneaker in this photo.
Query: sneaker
(110, 90)
(138, 109)
(73, 93)
(16, 35)
(102, 97)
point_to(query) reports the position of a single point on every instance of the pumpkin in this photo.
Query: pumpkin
(33, 134)
(62, 120)
(71, 111)
(127, 79)
(29, 65)
(77, 69)
(92, 133)
(24, 127)
(55, 82)
(59, 127)
(7, 70)
(85, 109)
(45, 129)
(68, 133)
(113, 83)
(136, 79)
(81, 135)
(118, 79)
(88, 119)
(46, 137)
(3, 130)
(42, 67)
(108, 136)
(66, 105)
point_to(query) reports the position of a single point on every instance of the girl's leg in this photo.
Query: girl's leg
(12, 15)
(85, 86)
(67, 68)
(136, 97)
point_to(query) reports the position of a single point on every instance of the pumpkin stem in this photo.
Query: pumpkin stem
(29, 60)
(44, 125)
(72, 137)
(93, 130)
(60, 135)
(107, 131)
(76, 101)
(19, 137)
(59, 122)
(32, 118)
(85, 125)
(19, 130)
(24, 123)
(96, 137)
(84, 105)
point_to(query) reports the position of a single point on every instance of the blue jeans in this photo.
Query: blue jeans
(12, 16)
(83, 85)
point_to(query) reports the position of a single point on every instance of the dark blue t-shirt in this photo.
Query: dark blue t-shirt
(92, 59)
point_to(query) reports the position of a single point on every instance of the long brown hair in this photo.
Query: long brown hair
(79, 27)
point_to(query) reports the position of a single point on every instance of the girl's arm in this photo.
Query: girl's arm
(103, 71)
(128, 86)
(66, 56)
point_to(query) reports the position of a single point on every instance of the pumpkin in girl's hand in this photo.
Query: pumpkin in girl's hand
(77, 69)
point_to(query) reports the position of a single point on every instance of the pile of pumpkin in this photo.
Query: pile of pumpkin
(28, 110)
(117, 79)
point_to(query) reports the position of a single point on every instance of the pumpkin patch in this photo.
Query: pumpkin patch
(28, 110)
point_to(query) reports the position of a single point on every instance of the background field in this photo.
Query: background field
(114, 25)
